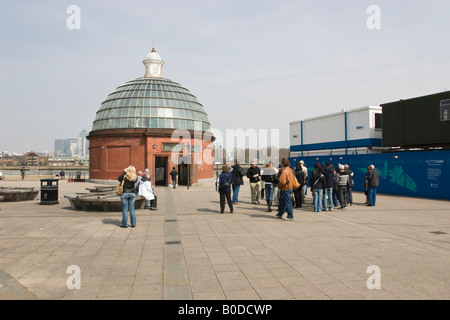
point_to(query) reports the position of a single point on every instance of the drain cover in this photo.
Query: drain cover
(173, 242)
(438, 232)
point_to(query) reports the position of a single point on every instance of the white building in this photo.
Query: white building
(355, 131)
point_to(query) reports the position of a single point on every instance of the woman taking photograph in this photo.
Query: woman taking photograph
(128, 196)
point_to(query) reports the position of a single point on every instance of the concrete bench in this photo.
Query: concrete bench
(18, 194)
(100, 201)
(102, 188)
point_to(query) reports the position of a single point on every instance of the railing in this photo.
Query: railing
(44, 172)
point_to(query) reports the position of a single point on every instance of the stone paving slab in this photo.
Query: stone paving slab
(188, 250)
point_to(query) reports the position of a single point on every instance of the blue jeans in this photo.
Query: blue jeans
(372, 195)
(349, 196)
(317, 199)
(335, 197)
(286, 204)
(236, 188)
(269, 192)
(328, 195)
(128, 200)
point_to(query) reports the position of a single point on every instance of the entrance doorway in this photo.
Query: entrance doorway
(160, 171)
(183, 174)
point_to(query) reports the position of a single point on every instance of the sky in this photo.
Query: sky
(252, 64)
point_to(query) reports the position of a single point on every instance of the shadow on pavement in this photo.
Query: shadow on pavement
(116, 222)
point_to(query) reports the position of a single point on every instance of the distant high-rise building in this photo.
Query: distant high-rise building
(61, 147)
(84, 143)
(76, 147)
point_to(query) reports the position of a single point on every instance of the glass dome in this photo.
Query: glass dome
(151, 102)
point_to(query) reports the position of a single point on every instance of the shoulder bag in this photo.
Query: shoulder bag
(119, 189)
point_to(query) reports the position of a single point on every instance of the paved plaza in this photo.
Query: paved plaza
(187, 250)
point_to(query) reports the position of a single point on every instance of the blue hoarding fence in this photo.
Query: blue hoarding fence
(424, 174)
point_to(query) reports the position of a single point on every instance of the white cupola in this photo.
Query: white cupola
(153, 65)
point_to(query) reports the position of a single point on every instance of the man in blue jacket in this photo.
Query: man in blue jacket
(224, 188)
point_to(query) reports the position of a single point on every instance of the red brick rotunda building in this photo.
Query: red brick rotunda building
(135, 126)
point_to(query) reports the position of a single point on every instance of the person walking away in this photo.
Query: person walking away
(174, 175)
(328, 172)
(373, 180)
(286, 185)
(342, 187)
(128, 196)
(317, 182)
(62, 174)
(267, 176)
(22, 172)
(237, 181)
(350, 185)
(300, 175)
(254, 175)
(224, 185)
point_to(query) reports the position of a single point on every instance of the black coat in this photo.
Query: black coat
(238, 173)
(319, 177)
(300, 175)
(328, 171)
(251, 172)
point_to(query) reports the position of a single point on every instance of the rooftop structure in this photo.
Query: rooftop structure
(135, 123)
(151, 102)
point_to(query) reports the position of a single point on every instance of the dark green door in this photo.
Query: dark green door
(161, 171)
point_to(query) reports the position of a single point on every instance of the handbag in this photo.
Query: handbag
(119, 189)
(296, 184)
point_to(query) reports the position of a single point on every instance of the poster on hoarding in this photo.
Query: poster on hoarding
(434, 172)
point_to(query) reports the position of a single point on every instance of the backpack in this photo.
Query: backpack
(223, 184)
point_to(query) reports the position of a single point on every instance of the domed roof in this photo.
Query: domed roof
(153, 55)
(151, 102)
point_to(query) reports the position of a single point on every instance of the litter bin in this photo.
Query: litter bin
(49, 191)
